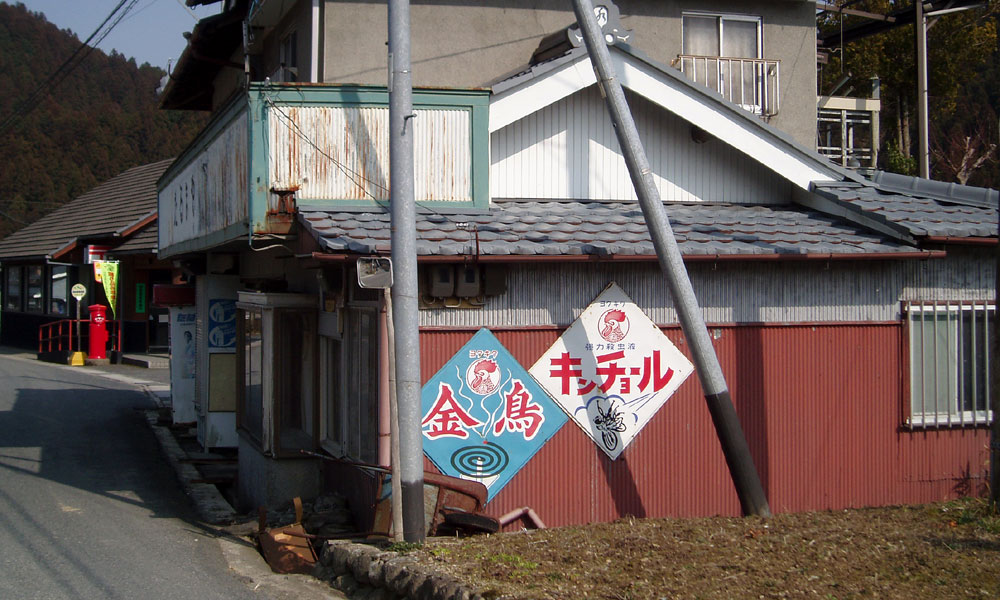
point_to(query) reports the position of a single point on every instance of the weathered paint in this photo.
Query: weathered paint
(328, 146)
(342, 153)
(839, 292)
(569, 150)
(821, 406)
(204, 192)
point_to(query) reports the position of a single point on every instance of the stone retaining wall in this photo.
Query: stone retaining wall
(364, 572)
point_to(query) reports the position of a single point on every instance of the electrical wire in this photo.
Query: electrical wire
(356, 178)
(25, 107)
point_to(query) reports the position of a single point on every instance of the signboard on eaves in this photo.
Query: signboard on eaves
(612, 370)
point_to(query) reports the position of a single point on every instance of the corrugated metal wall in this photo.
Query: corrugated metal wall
(821, 406)
(745, 292)
(569, 150)
(342, 153)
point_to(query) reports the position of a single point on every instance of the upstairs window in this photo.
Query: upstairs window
(730, 36)
(949, 363)
(726, 54)
(288, 58)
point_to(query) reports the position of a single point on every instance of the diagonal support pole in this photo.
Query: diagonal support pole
(720, 405)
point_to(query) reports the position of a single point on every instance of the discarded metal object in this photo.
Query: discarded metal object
(286, 549)
(451, 505)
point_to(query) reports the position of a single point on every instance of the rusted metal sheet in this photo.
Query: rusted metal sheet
(821, 408)
(210, 192)
(342, 153)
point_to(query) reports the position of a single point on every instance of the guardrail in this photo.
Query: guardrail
(61, 336)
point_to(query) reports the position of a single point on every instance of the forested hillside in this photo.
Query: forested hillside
(100, 120)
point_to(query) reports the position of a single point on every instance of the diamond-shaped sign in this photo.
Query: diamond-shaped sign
(611, 370)
(484, 416)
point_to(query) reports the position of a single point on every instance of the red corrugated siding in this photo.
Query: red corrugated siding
(821, 408)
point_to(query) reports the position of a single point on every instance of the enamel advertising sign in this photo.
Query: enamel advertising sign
(484, 417)
(611, 370)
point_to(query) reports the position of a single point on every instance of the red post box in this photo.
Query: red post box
(98, 331)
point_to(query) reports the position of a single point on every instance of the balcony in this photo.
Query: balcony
(847, 130)
(753, 83)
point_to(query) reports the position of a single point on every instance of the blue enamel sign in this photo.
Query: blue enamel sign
(484, 416)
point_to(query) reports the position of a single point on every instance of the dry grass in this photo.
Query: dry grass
(946, 550)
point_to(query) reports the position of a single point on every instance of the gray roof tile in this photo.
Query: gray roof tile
(920, 215)
(105, 211)
(547, 228)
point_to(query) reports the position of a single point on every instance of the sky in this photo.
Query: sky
(151, 32)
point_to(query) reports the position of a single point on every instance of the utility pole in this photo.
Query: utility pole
(923, 144)
(720, 405)
(994, 387)
(404, 261)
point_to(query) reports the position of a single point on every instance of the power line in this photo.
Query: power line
(29, 104)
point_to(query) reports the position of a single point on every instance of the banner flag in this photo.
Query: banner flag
(109, 277)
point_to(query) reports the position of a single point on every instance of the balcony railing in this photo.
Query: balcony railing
(753, 83)
(847, 130)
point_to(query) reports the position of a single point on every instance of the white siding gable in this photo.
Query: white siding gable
(568, 150)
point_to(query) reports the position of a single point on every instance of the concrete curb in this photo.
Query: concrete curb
(365, 572)
(209, 503)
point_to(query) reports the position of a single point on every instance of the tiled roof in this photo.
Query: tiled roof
(106, 210)
(143, 241)
(920, 214)
(549, 228)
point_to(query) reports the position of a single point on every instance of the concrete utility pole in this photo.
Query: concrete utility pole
(720, 405)
(923, 143)
(404, 261)
(995, 388)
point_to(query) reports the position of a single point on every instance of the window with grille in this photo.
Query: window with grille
(949, 354)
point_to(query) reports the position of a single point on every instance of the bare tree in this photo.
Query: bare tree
(961, 152)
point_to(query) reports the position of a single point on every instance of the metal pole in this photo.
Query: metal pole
(923, 151)
(78, 344)
(404, 260)
(994, 388)
(397, 491)
(727, 423)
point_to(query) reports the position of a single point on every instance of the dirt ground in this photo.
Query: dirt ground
(945, 550)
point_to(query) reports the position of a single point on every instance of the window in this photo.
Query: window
(59, 290)
(252, 400)
(719, 35)
(288, 58)
(35, 301)
(725, 52)
(295, 336)
(949, 363)
(350, 387)
(12, 289)
(276, 340)
(332, 395)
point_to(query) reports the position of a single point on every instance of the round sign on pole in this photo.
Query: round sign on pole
(78, 291)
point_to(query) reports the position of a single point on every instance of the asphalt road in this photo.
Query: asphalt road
(88, 506)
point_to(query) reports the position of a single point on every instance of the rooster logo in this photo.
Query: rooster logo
(483, 377)
(614, 325)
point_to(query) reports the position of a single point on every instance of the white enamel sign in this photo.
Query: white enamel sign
(611, 370)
